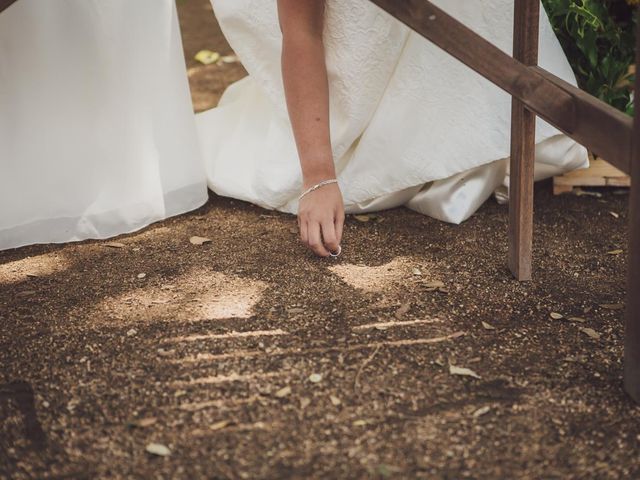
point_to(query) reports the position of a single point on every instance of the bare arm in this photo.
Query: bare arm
(321, 214)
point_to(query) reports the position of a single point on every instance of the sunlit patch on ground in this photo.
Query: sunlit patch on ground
(377, 279)
(38, 266)
(202, 294)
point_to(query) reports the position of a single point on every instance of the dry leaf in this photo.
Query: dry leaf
(335, 401)
(207, 57)
(158, 449)
(481, 411)
(144, 422)
(615, 252)
(576, 319)
(612, 306)
(195, 240)
(359, 423)
(590, 332)
(283, 392)
(416, 272)
(462, 371)
(434, 284)
(362, 218)
(304, 403)
(142, 275)
(219, 425)
(556, 315)
(488, 326)
(132, 332)
(115, 245)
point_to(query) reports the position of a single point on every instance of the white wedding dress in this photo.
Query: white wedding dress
(98, 136)
(410, 125)
(97, 133)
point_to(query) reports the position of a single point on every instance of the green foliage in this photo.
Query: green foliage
(598, 36)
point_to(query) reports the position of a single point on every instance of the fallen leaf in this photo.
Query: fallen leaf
(590, 332)
(283, 392)
(158, 449)
(335, 401)
(142, 275)
(207, 57)
(315, 378)
(434, 284)
(195, 240)
(132, 332)
(359, 423)
(556, 315)
(481, 411)
(462, 371)
(115, 245)
(612, 306)
(488, 326)
(219, 425)
(576, 319)
(304, 403)
(362, 218)
(144, 422)
(615, 252)
(416, 272)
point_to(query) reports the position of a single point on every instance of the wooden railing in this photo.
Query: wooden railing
(536, 92)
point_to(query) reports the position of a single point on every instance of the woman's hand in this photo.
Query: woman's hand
(321, 220)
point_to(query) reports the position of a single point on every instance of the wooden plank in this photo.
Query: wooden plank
(4, 4)
(523, 146)
(632, 314)
(576, 113)
(599, 174)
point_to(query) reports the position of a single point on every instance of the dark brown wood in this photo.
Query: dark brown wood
(4, 4)
(605, 130)
(587, 120)
(523, 145)
(632, 314)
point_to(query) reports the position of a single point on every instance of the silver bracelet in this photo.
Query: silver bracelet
(316, 187)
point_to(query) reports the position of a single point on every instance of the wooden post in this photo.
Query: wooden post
(632, 318)
(523, 143)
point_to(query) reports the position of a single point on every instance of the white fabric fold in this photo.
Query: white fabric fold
(410, 125)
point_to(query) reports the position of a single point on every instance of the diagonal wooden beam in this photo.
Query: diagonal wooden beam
(4, 4)
(568, 108)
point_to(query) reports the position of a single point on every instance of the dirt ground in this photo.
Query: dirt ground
(247, 357)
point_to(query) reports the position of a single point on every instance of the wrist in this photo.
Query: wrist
(311, 179)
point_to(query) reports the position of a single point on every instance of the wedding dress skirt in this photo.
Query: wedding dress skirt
(410, 125)
(97, 132)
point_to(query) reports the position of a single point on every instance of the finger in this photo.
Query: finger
(315, 239)
(329, 237)
(304, 235)
(339, 224)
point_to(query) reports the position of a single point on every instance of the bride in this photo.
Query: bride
(344, 110)
(393, 118)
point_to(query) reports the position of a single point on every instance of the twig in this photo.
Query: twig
(364, 364)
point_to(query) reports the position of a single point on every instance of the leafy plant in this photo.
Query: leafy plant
(598, 36)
